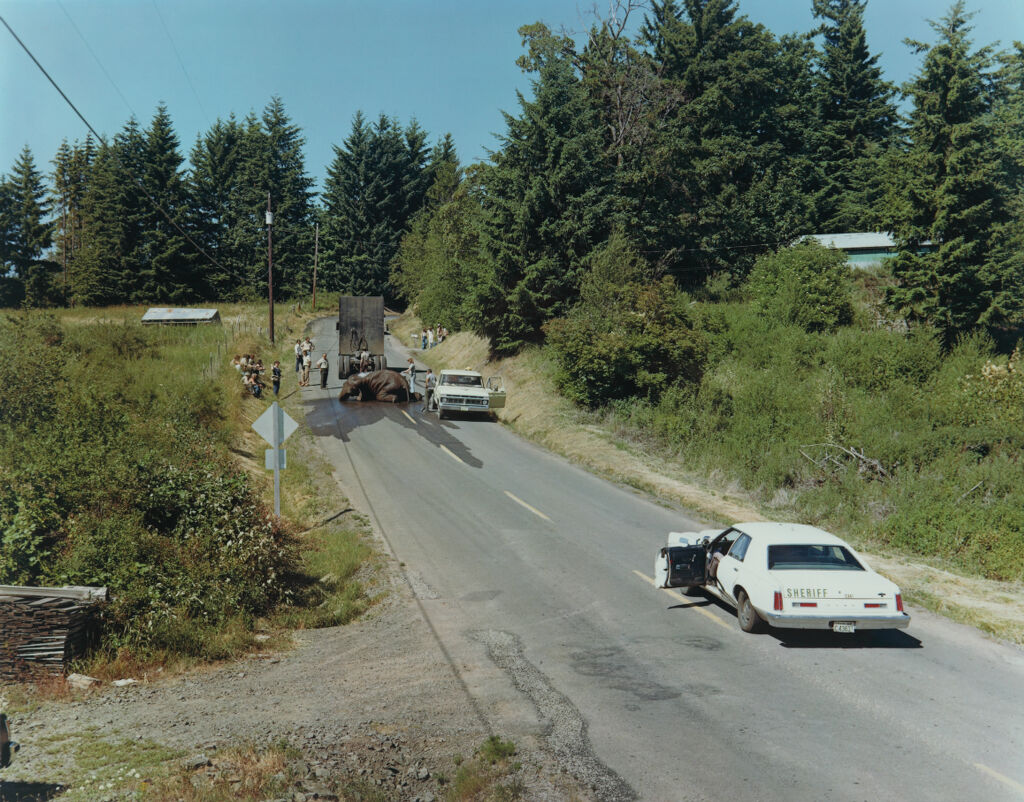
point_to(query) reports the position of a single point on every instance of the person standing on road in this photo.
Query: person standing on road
(275, 376)
(324, 366)
(423, 340)
(298, 356)
(410, 376)
(430, 338)
(428, 389)
(307, 362)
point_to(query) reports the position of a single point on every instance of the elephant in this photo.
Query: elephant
(381, 385)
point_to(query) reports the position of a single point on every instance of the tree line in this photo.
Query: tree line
(689, 148)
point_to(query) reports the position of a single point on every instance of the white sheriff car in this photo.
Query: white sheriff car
(788, 575)
(464, 391)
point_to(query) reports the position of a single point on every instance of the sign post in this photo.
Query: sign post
(275, 426)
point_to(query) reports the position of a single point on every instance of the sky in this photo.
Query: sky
(450, 64)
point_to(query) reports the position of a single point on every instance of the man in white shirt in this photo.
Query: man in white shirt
(324, 366)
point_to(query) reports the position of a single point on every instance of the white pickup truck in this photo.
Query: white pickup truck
(465, 391)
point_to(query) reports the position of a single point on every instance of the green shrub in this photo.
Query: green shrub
(629, 336)
(807, 284)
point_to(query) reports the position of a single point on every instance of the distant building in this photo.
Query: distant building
(180, 316)
(867, 249)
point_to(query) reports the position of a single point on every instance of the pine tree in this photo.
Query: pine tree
(547, 197)
(114, 208)
(212, 183)
(375, 185)
(732, 175)
(166, 257)
(954, 193)
(271, 161)
(856, 120)
(28, 234)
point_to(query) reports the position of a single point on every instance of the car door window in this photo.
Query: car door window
(739, 548)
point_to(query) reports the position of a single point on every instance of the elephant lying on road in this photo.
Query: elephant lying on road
(381, 385)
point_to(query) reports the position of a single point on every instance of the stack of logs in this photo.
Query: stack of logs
(43, 629)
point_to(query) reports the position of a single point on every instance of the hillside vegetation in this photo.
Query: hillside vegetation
(116, 469)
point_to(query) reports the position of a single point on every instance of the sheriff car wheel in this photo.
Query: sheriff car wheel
(749, 620)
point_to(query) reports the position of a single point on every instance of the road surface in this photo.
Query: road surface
(535, 576)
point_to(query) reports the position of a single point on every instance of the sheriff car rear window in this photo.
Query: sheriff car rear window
(804, 557)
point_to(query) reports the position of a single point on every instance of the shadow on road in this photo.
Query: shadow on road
(865, 639)
(819, 638)
(28, 792)
(324, 420)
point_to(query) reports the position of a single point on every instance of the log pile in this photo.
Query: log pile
(43, 629)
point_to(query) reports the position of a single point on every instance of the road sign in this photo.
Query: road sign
(264, 425)
(268, 458)
(274, 426)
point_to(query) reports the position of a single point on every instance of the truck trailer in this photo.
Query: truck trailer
(360, 329)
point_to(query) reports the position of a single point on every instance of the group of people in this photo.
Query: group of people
(252, 370)
(304, 362)
(430, 337)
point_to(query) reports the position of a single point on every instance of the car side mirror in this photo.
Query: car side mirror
(7, 746)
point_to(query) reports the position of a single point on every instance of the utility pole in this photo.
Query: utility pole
(316, 258)
(270, 265)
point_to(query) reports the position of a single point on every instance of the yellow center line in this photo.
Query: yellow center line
(410, 417)
(451, 454)
(532, 509)
(676, 595)
(1016, 786)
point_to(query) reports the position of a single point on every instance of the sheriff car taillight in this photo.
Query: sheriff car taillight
(899, 602)
(778, 600)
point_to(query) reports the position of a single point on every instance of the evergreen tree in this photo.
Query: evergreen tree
(733, 163)
(212, 184)
(271, 161)
(166, 259)
(954, 192)
(856, 120)
(114, 208)
(27, 233)
(547, 197)
(375, 185)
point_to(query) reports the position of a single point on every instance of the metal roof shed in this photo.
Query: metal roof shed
(180, 316)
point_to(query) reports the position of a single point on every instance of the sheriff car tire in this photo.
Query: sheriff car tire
(440, 413)
(694, 590)
(749, 620)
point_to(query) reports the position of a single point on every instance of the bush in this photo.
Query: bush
(807, 284)
(629, 336)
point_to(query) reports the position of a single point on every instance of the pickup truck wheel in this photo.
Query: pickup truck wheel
(749, 620)
(440, 413)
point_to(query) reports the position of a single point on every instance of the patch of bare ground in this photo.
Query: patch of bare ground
(536, 411)
(371, 710)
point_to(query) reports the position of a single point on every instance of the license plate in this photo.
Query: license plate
(843, 626)
(464, 409)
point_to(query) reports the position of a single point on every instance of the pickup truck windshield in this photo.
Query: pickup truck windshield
(803, 557)
(462, 381)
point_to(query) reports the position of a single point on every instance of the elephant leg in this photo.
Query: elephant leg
(391, 398)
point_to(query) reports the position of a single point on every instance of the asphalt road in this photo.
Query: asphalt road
(535, 576)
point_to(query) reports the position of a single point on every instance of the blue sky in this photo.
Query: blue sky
(448, 63)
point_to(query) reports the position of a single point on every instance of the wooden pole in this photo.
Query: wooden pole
(316, 258)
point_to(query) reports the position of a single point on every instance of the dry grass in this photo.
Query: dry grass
(536, 411)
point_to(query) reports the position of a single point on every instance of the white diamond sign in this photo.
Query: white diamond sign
(264, 425)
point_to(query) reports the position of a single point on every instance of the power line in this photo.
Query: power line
(103, 141)
(95, 58)
(180, 62)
